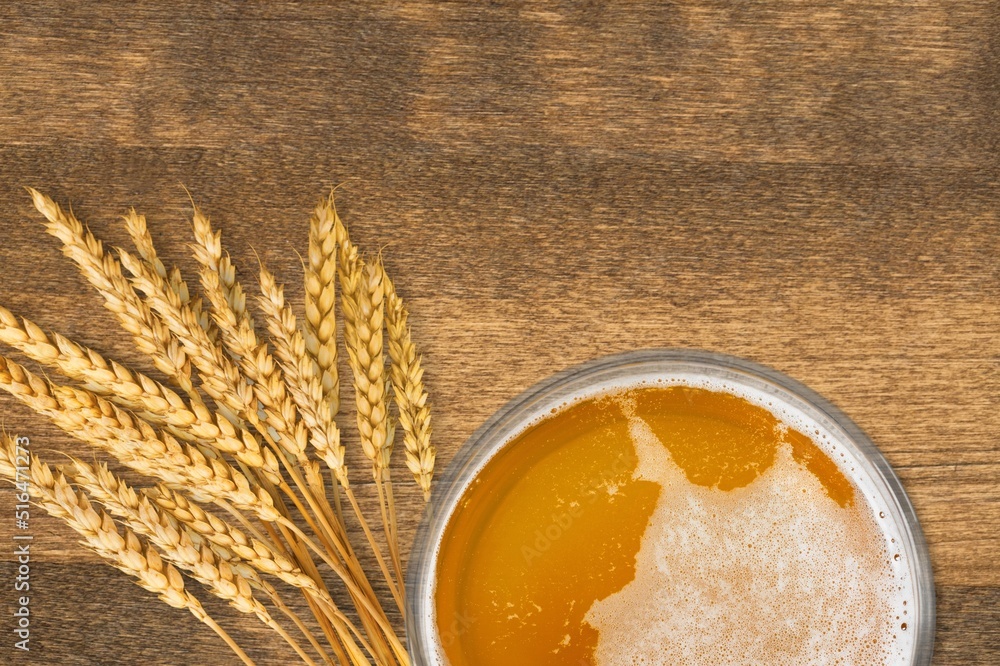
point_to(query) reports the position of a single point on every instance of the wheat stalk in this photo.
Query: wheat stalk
(246, 442)
(104, 273)
(127, 553)
(321, 281)
(408, 386)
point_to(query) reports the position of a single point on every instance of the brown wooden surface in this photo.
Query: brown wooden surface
(810, 185)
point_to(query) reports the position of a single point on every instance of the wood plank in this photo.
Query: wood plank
(813, 186)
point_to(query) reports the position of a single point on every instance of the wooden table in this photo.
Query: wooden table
(811, 186)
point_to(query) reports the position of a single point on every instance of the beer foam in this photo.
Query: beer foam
(772, 573)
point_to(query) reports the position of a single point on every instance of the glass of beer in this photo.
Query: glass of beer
(669, 507)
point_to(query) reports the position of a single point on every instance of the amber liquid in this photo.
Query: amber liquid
(555, 521)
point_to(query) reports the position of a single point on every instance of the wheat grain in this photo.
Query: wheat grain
(408, 386)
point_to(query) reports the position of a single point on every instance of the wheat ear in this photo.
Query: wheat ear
(364, 312)
(135, 224)
(127, 553)
(301, 375)
(134, 442)
(130, 389)
(220, 377)
(104, 273)
(303, 384)
(321, 281)
(228, 300)
(152, 400)
(408, 386)
(362, 300)
(218, 568)
(259, 554)
(108, 378)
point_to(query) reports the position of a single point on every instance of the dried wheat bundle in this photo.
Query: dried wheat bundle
(248, 479)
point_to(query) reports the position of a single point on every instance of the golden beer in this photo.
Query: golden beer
(669, 524)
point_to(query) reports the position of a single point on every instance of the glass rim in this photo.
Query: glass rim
(526, 408)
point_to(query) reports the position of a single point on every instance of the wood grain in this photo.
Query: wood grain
(809, 185)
